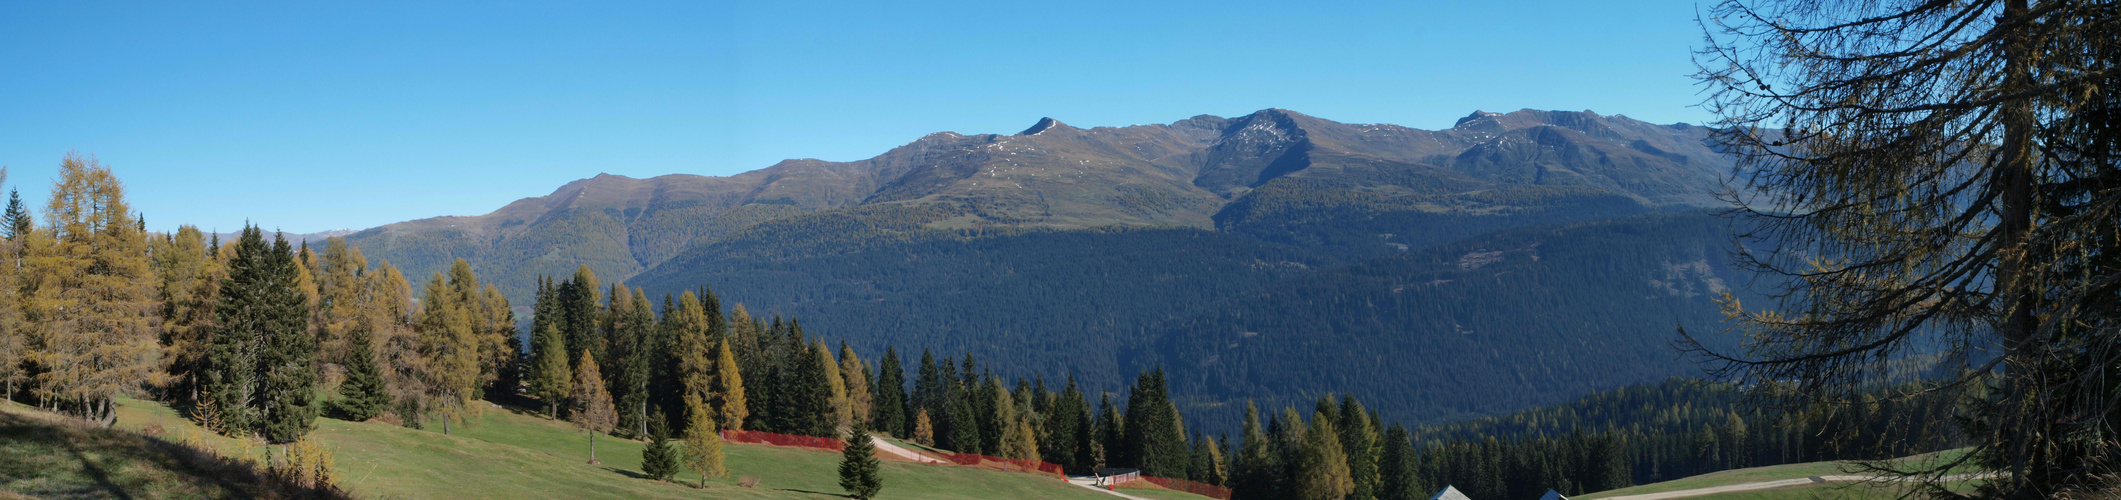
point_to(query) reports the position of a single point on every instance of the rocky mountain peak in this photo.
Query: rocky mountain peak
(1044, 124)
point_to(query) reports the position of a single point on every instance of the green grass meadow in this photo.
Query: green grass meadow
(501, 453)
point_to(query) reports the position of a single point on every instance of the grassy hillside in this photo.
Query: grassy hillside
(1826, 489)
(500, 454)
(49, 456)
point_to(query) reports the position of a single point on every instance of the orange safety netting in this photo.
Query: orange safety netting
(1202, 489)
(1006, 463)
(812, 442)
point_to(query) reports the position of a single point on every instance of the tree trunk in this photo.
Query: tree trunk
(2014, 178)
(445, 426)
(592, 447)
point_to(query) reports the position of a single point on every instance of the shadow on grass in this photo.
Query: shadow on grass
(793, 490)
(152, 467)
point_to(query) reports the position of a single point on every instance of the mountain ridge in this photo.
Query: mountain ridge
(1184, 173)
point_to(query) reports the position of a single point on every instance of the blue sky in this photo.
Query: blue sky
(315, 117)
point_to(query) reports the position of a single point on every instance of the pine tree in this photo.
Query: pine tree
(579, 313)
(1084, 430)
(860, 471)
(1323, 466)
(860, 397)
(1207, 461)
(1111, 432)
(695, 354)
(340, 290)
(1154, 438)
(835, 388)
(632, 351)
(963, 428)
(17, 219)
(1358, 437)
(188, 280)
(500, 348)
(287, 358)
(729, 389)
(89, 293)
(450, 344)
(1397, 479)
(703, 446)
(1258, 467)
(593, 411)
(389, 306)
(231, 363)
(1017, 440)
(923, 429)
(658, 460)
(888, 404)
(362, 396)
(550, 378)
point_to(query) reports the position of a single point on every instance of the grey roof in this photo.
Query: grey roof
(1449, 493)
(1553, 495)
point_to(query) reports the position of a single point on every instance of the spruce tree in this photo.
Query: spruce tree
(888, 405)
(362, 396)
(658, 460)
(860, 471)
(629, 324)
(16, 220)
(928, 386)
(813, 412)
(1397, 480)
(1111, 432)
(579, 313)
(1358, 437)
(1154, 438)
(963, 429)
(1258, 466)
(287, 361)
(1083, 431)
(231, 365)
(1323, 465)
(551, 380)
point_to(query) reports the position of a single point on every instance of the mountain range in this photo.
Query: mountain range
(1512, 260)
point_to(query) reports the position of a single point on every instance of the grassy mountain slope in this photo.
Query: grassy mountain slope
(500, 454)
(1823, 489)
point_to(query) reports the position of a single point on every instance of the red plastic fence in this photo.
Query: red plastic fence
(1005, 463)
(813, 442)
(1206, 490)
(832, 444)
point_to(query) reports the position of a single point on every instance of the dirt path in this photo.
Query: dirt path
(1762, 485)
(887, 447)
(1092, 484)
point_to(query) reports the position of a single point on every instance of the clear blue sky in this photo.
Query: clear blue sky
(307, 118)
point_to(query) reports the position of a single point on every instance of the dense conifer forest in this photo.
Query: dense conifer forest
(244, 337)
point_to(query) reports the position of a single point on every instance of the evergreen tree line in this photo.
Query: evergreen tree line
(1679, 428)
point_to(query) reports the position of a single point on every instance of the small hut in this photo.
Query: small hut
(1450, 493)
